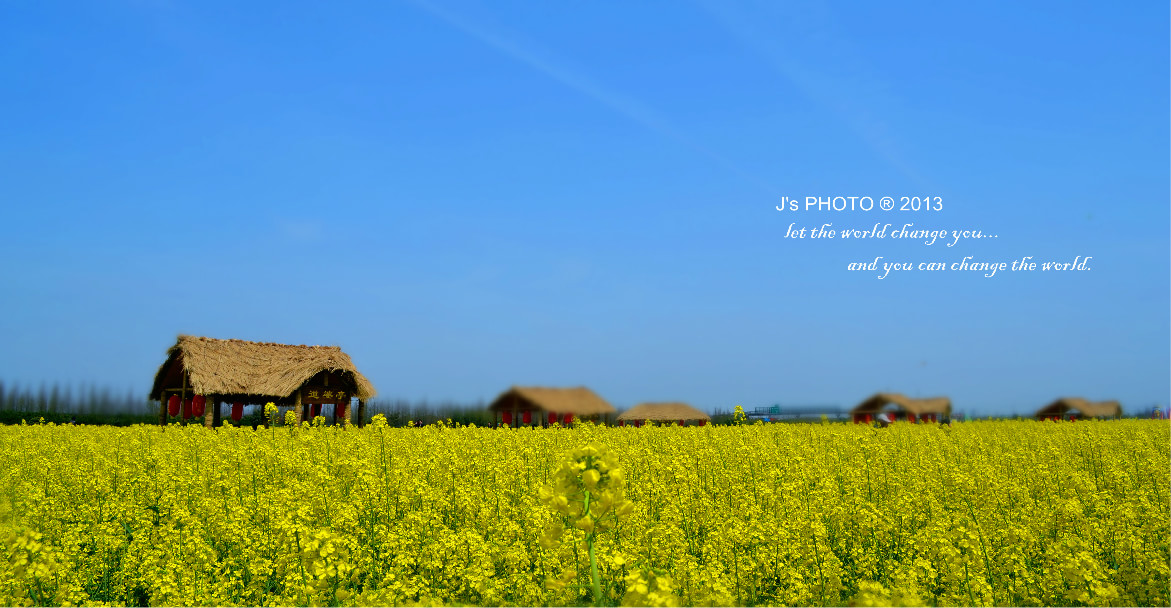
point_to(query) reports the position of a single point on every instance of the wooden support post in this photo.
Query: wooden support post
(361, 413)
(211, 409)
(297, 407)
(163, 408)
(345, 412)
(182, 400)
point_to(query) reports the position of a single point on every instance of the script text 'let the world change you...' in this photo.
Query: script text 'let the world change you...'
(934, 235)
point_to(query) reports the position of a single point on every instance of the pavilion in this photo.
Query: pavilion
(201, 373)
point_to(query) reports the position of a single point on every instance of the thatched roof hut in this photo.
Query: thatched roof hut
(906, 406)
(1064, 406)
(558, 403)
(673, 411)
(257, 372)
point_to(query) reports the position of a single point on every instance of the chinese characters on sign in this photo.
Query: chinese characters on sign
(324, 394)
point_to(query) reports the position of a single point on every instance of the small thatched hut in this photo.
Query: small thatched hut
(663, 412)
(904, 408)
(200, 373)
(533, 405)
(1071, 408)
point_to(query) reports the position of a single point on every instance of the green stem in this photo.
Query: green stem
(594, 573)
(593, 558)
(301, 564)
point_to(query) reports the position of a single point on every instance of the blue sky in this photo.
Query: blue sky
(466, 196)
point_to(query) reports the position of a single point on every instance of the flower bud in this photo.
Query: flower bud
(591, 478)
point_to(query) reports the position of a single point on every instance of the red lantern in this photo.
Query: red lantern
(197, 405)
(868, 419)
(911, 417)
(703, 423)
(173, 405)
(527, 417)
(552, 418)
(621, 423)
(237, 411)
(507, 416)
(568, 419)
(315, 410)
(682, 423)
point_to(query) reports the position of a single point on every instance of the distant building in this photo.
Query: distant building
(663, 412)
(796, 413)
(1068, 408)
(200, 373)
(901, 407)
(537, 406)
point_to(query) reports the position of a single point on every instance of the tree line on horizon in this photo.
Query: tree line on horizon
(92, 404)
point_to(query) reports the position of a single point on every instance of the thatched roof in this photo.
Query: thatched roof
(663, 411)
(579, 401)
(1091, 409)
(875, 403)
(238, 367)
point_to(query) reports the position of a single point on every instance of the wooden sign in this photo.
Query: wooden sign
(324, 394)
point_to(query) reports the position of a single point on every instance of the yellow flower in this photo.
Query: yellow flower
(988, 513)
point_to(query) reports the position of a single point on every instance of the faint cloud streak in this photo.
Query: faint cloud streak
(624, 105)
(841, 98)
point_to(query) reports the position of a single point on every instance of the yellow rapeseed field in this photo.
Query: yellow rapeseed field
(982, 513)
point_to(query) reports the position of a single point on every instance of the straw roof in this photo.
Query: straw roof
(932, 405)
(579, 401)
(1084, 407)
(238, 367)
(663, 411)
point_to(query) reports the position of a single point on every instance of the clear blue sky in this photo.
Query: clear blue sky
(466, 196)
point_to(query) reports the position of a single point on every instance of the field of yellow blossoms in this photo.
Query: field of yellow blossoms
(982, 513)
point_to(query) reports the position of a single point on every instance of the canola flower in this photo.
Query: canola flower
(981, 513)
(587, 491)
